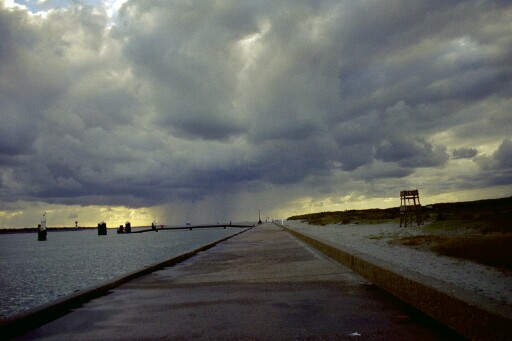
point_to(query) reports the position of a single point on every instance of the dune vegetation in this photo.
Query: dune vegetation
(479, 231)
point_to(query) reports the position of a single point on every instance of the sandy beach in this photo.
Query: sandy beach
(373, 240)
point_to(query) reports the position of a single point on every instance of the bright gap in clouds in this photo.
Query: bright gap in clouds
(42, 7)
(85, 216)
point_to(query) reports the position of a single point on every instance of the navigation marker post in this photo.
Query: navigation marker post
(41, 229)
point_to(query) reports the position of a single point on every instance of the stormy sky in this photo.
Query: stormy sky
(209, 110)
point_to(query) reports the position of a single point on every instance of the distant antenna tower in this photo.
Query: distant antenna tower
(410, 207)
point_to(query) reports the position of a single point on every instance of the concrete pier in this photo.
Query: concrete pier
(261, 284)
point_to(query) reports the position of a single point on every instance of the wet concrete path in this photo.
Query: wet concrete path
(262, 284)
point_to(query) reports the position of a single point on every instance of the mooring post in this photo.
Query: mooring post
(41, 229)
(102, 229)
(41, 232)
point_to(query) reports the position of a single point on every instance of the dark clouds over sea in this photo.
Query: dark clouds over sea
(177, 101)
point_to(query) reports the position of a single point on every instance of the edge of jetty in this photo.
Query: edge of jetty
(30, 319)
(473, 316)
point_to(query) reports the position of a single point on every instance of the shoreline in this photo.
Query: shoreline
(15, 230)
(40, 272)
(22, 322)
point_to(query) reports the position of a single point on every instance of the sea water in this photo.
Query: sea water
(33, 273)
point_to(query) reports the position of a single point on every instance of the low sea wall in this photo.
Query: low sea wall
(33, 318)
(473, 316)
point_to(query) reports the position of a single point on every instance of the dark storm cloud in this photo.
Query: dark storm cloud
(186, 56)
(497, 167)
(186, 99)
(411, 153)
(379, 170)
(21, 90)
(501, 159)
(464, 153)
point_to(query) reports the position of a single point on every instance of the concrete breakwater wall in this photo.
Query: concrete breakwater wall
(471, 315)
(21, 323)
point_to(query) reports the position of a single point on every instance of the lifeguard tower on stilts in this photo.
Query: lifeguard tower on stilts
(410, 208)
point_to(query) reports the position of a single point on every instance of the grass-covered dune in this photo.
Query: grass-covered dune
(369, 216)
(487, 215)
(480, 231)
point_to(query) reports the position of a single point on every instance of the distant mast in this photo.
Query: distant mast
(43, 222)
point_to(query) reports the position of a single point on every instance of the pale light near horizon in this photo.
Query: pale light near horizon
(209, 111)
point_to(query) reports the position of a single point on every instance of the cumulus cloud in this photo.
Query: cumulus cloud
(496, 169)
(411, 153)
(170, 101)
(501, 159)
(464, 153)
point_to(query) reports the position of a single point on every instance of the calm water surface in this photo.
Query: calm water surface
(34, 272)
